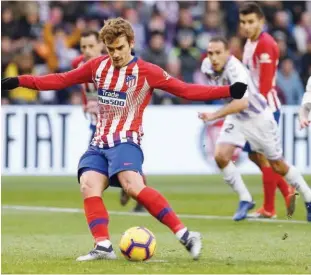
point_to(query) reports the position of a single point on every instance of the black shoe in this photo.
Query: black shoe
(139, 208)
(124, 198)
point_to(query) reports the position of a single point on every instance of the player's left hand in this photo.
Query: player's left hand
(304, 120)
(207, 116)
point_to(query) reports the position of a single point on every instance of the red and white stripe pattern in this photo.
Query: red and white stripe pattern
(90, 88)
(252, 63)
(119, 124)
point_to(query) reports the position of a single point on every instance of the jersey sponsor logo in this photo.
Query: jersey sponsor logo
(112, 98)
(265, 58)
(130, 80)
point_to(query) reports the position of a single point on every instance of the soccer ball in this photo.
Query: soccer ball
(137, 244)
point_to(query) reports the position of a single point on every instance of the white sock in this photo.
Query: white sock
(180, 233)
(105, 243)
(234, 179)
(294, 178)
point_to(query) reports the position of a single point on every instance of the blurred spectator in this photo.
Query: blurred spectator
(302, 32)
(306, 64)
(23, 64)
(188, 55)
(211, 27)
(285, 52)
(47, 33)
(289, 82)
(156, 52)
(59, 43)
(236, 47)
(9, 27)
(282, 25)
(7, 54)
(131, 15)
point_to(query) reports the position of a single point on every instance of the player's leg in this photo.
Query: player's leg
(129, 177)
(264, 137)
(229, 133)
(295, 179)
(92, 175)
(139, 207)
(124, 198)
(271, 181)
(269, 185)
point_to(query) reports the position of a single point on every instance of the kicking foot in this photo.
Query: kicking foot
(244, 207)
(102, 250)
(124, 198)
(193, 243)
(261, 213)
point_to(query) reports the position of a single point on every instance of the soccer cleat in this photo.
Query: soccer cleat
(290, 201)
(124, 198)
(99, 252)
(138, 208)
(244, 207)
(193, 243)
(308, 206)
(261, 213)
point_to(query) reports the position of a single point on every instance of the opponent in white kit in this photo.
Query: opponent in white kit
(304, 113)
(247, 119)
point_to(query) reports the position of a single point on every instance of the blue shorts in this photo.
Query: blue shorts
(109, 162)
(247, 148)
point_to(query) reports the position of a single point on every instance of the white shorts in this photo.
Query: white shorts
(262, 133)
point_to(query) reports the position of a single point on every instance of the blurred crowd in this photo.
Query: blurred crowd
(42, 37)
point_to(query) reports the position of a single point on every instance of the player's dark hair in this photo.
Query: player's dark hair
(251, 7)
(220, 39)
(90, 33)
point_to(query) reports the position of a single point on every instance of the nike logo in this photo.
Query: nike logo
(127, 163)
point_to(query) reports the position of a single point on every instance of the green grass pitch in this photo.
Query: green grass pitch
(48, 242)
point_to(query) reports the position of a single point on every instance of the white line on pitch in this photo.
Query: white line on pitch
(120, 213)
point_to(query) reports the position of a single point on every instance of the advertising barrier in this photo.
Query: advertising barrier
(49, 140)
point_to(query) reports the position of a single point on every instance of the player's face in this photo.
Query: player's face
(251, 25)
(120, 51)
(90, 47)
(218, 55)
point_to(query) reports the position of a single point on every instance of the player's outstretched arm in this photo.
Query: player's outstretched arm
(233, 107)
(161, 80)
(51, 81)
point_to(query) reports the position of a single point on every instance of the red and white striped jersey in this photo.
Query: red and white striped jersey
(123, 94)
(89, 91)
(261, 57)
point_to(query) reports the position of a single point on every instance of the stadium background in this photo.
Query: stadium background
(43, 230)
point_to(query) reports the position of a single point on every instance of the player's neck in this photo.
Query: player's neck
(256, 36)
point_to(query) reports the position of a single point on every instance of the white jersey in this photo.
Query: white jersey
(234, 71)
(307, 95)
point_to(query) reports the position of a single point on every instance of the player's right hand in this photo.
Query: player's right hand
(237, 90)
(9, 83)
(304, 123)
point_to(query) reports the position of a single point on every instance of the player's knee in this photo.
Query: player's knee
(132, 183)
(90, 186)
(222, 159)
(279, 167)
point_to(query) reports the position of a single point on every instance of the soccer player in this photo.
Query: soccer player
(247, 119)
(261, 56)
(305, 108)
(91, 46)
(124, 85)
